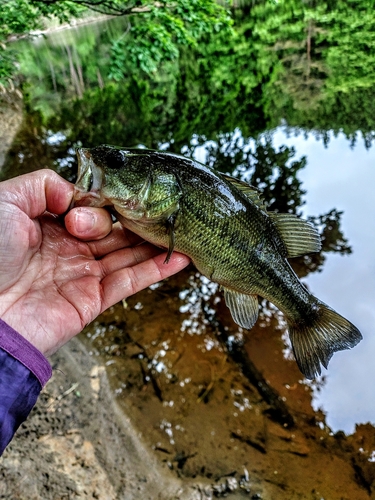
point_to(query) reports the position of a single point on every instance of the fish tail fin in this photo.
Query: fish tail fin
(315, 341)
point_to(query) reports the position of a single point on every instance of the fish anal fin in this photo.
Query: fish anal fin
(251, 192)
(244, 308)
(299, 236)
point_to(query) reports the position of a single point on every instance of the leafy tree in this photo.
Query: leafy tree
(167, 30)
(280, 62)
(164, 28)
(323, 58)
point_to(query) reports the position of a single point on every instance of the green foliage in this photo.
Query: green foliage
(350, 39)
(160, 34)
(21, 17)
(154, 46)
(156, 38)
(323, 59)
(6, 64)
(18, 17)
(272, 67)
(282, 61)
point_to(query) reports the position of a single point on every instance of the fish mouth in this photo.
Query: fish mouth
(89, 181)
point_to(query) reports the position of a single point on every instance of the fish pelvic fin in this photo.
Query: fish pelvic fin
(315, 343)
(244, 308)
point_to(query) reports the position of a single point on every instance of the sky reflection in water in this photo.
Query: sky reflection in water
(344, 178)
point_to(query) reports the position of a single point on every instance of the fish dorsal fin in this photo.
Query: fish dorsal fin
(251, 192)
(244, 308)
(299, 236)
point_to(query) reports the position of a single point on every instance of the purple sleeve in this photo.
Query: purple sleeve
(23, 372)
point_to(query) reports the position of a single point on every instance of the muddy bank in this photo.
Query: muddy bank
(11, 115)
(78, 444)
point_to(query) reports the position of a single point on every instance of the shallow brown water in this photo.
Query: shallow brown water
(246, 429)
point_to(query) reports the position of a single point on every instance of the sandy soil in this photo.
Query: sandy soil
(77, 444)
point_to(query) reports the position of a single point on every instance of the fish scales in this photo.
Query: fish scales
(240, 244)
(223, 226)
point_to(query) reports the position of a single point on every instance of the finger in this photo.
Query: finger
(127, 257)
(37, 192)
(118, 238)
(128, 281)
(88, 223)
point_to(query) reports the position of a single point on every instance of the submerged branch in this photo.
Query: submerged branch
(278, 409)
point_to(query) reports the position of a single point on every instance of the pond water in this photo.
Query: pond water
(206, 405)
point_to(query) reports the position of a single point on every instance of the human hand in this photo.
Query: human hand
(54, 279)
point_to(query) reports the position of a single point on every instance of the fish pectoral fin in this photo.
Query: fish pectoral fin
(244, 308)
(299, 236)
(170, 222)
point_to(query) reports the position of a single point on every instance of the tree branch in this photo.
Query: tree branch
(108, 7)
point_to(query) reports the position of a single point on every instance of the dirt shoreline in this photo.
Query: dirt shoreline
(77, 443)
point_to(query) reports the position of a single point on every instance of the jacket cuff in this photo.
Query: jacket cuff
(21, 349)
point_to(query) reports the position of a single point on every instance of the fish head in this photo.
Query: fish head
(129, 180)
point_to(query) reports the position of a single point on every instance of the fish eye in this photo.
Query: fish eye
(115, 159)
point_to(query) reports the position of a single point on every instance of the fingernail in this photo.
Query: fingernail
(84, 221)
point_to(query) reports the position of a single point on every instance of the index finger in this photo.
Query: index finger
(117, 239)
(37, 192)
(130, 280)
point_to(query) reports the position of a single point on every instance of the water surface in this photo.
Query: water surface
(206, 409)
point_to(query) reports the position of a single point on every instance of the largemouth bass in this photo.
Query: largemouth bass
(222, 224)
